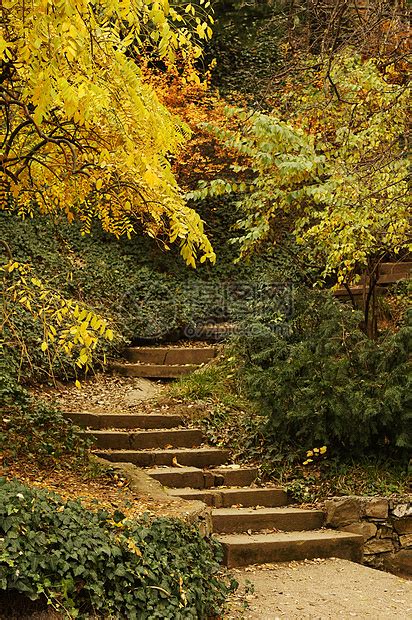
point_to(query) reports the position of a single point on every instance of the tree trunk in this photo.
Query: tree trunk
(370, 279)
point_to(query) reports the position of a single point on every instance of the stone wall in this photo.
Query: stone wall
(385, 524)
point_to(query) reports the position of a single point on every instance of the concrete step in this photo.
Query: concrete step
(124, 420)
(152, 371)
(170, 355)
(145, 439)
(231, 477)
(196, 478)
(194, 457)
(243, 550)
(178, 476)
(231, 520)
(224, 498)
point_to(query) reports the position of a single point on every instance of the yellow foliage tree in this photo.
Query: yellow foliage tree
(82, 132)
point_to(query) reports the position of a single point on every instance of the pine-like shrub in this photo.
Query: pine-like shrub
(321, 380)
(101, 565)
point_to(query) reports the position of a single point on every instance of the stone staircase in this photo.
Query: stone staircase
(163, 362)
(254, 524)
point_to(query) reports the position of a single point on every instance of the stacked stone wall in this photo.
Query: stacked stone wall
(384, 523)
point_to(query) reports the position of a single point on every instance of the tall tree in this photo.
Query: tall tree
(82, 131)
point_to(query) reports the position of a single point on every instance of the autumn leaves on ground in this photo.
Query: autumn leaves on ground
(93, 484)
(136, 206)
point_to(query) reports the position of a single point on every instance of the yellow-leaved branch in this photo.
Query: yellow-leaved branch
(66, 328)
(82, 132)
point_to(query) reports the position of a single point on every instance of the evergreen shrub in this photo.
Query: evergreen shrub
(321, 381)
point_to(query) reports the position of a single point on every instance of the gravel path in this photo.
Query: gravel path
(319, 589)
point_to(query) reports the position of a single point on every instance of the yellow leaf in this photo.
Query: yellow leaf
(109, 334)
(78, 384)
(134, 548)
(44, 346)
(83, 357)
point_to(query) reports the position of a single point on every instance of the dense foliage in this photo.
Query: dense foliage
(313, 168)
(87, 563)
(321, 381)
(85, 138)
(246, 45)
(61, 331)
(83, 131)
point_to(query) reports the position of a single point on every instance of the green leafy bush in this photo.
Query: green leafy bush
(87, 562)
(322, 381)
(34, 429)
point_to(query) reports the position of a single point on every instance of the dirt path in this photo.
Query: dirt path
(317, 590)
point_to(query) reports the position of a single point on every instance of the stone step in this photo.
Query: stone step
(152, 371)
(232, 477)
(231, 520)
(194, 457)
(225, 498)
(196, 478)
(124, 420)
(243, 550)
(170, 355)
(178, 476)
(146, 439)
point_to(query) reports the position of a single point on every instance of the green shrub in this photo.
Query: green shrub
(322, 381)
(94, 563)
(35, 429)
